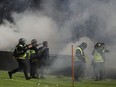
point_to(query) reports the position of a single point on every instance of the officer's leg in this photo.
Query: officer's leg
(78, 71)
(32, 66)
(96, 72)
(43, 67)
(93, 72)
(83, 68)
(102, 70)
(19, 67)
(34, 69)
(103, 74)
(25, 69)
(38, 69)
(30, 63)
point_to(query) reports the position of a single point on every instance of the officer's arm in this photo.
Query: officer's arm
(106, 51)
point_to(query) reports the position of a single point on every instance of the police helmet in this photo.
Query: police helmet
(84, 45)
(33, 41)
(98, 45)
(22, 40)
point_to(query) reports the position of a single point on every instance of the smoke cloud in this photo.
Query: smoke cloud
(63, 23)
(28, 25)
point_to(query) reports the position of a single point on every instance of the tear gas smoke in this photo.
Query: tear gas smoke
(29, 26)
(64, 22)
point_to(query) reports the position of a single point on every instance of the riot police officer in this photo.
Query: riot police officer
(98, 61)
(20, 55)
(33, 58)
(43, 53)
(80, 61)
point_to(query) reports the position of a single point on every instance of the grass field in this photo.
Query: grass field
(50, 81)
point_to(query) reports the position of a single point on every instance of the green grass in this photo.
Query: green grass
(50, 81)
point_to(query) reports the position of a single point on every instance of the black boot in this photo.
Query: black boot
(10, 75)
(28, 78)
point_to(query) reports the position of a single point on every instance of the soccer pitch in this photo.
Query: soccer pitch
(50, 81)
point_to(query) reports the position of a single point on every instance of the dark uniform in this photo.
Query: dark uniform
(98, 61)
(80, 61)
(43, 60)
(20, 55)
(33, 60)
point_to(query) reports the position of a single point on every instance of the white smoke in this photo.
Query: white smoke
(105, 32)
(55, 26)
(28, 25)
(35, 25)
(8, 36)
